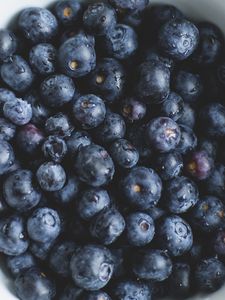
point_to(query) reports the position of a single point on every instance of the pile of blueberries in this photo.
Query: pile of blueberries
(112, 152)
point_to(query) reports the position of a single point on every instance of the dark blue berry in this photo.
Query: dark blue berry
(95, 296)
(215, 183)
(5, 96)
(188, 118)
(7, 157)
(188, 140)
(71, 292)
(7, 130)
(130, 5)
(54, 148)
(77, 140)
(59, 124)
(173, 106)
(133, 109)
(20, 263)
(41, 250)
(8, 42)
(68, 12)
(129, 289)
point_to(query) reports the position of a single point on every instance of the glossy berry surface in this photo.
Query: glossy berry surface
(133, 109)
(169, 165)
(18, 111)
(173, 106)
(54, 148)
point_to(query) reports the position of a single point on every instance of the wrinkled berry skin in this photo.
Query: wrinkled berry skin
(99, 18)
(17, 74)
(173, 106)
(7, 130)
(181, 194)
(20, 263)
(29, 139)
(8, 44)
(7, 157)
(124, 153)
(107, 79)
(209, 214)
(142, 187)
(92, 267)
(129, 4)
(18, 111)
(77, 140)
(98, 170)
(33, 285)
(60, 256)
(163, 134)
(43, 225)
(199, 165)
(38, 24)
(42, 58)
(112, 128)
(128, 289)
(152, 265)
(210, 45)
(140, 229)
(77, 56)
(92, 201)
(89, 111)
(212, 120)
(188, 85)
(175, 235)
(107, 226)
(51, 176)
(20, 191)
(57, 90)
(121, 42)
(153, 82)
(188, 140)
(68, 12)
(178, 38)
(54, 148)
(13, 239)
(133, 109)
(209, 275)
(169, 165)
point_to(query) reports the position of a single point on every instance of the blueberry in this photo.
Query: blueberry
(188, 85)
(199, 165)
(133, 109)
(129, 289)
(181, 194)
(7, 130)
(94, 166)
(142, 187)
(38, 24)
(188, 117)
(124, 153)
(179, 282)
(107, 79)
(140, 229)
(41, 250)
(20, 191)
(153, 53)
(89, 111)
(18, 111)
(208, 214)
(43, 225)
(107, 226)
(163, 134)
(215, 183)
(51, 176)
(99, 18)
(13, 240)
(54, 148)
(77, 140)
(58, 124)
(92, 267)
(17, 74)
(188, 140)
(208, 146)
(69, 192)
(152, 264)
(169, 165)
(60, 256)
(175, 235)
(153, 81)
(129, 4)
(5, 96)
(212, 120)
(68, 12)
(178, 38)
(173, 106)
(120, 42)
(20, 263)
(210, 45)
(219, 243)
(132, 18)
(8, 42)
(7, 157)
(92, 201)
(29, 139)
(34, 284)
(71, 292)
(42, 58)
(77, 56)
(57, 90)
(209, 275)
(112, 128)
